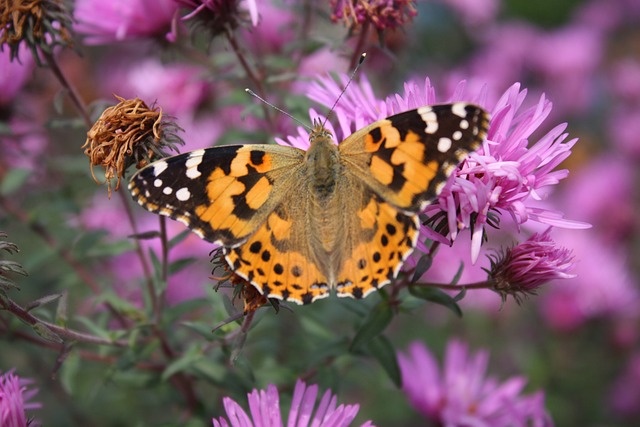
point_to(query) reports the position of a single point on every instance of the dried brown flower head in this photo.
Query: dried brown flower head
(383, 14)
(41, 24)
(128, 133)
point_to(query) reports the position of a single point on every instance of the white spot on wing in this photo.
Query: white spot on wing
(464, 124)
(157, 182)
(444, 144)
(457, 135)
(167, 190)
(429, 118)
(159, 167)
(183, 194)
(192, 164)
(459, 109)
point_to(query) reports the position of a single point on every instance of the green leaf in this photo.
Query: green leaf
(382, 349)
(437, 296)
(180, 264)
(61, 310)
(376, 322)
(42, 301)
(184, 362)
(178, 238)
(13, 267)
(13, 180)
(46, 333)
(423, 265)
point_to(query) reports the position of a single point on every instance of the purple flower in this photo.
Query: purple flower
(474, 12)
(14, 400)
(15, 74)
(507, 175)
(523, 268)
(264, 406)
(460, 394)
(104, 22)
(178, 88)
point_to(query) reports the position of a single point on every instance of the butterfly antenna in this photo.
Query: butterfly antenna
(353, 74)
(252, 93)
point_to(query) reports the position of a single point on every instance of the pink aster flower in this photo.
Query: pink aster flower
(461, 394)
(15, 74)
(523, 268)
(14, 400)
(264, 406)
(509, 174)
(104, 22)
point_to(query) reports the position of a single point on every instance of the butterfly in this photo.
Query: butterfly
(296, 223)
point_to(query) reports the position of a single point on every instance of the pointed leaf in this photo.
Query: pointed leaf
(422, 266)
(46, 333)
(382, 349)
(433, 294)
(42, 301)
(376, 322)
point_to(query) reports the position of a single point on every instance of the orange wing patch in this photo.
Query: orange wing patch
(277, 266)
(374, 263)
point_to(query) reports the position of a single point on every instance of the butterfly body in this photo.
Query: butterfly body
(298, 223)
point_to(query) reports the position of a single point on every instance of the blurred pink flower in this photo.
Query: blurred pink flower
(104, 22)
(126, 268)
(474, 12)
(567, 61)
(603, 285)
(264, 407)
(15, 74)
(178, 88)
(460, 394)
(625, 392)
(624, 130)
(276, 27)
(504, 176)
(15, 400)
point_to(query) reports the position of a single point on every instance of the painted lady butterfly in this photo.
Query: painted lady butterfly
(298, 223)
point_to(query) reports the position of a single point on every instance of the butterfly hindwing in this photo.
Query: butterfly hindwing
(223, 193)
(407, 158)
(277, 259)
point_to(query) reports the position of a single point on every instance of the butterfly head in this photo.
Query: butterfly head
(319, 132)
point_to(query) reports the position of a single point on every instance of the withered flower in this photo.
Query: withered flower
(128, 133)
(382, 14)
(41, 24)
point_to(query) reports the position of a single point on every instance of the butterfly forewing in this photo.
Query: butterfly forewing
(223, 193)
(407, 158)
